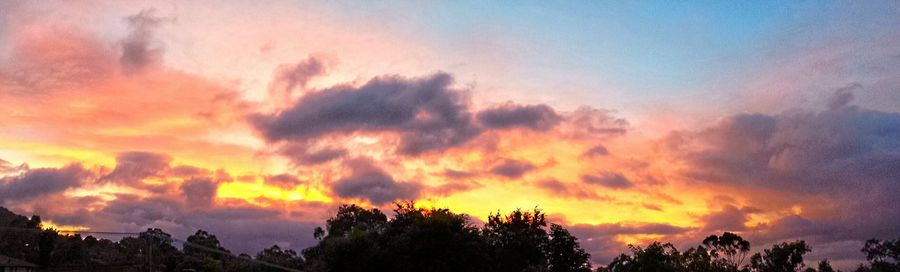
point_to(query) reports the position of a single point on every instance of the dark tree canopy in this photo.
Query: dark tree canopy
(565, 253)
(517, 240)
(730, 249)
(656, 257)
(784, 257)
(412, 239)
(882, 255)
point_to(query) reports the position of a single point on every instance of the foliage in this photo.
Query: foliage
(883, 256)
(413, 239)
(784, 257)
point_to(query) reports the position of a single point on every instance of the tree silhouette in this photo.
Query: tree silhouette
(351, 218)
(825, 266)
(434, 239)
(203, 244)
(882, 256)
(153, 246)
(349, 244)
(729, 249)
(203, 252)
(282, 257)
(413, 239)
(698, 259)
(564, 252)
(657, 257)
(517, 240)
(784, 257)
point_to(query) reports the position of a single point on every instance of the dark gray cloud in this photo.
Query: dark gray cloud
(301, 155)
(596, 151)
(283, 180)
(41, 181)
(457, 174)
(290, 76)
(372, 183)
(251, 229)
(242, 228)
(558, 188)
(536, 117)
(599, 240)
(428, 114)
(138, 48)
(839, 150)
(134, 167)
(845, 154)
(135, 211)
(512, 168)
(199, 192)
(609, 180)
(843, 96)
(729, 218)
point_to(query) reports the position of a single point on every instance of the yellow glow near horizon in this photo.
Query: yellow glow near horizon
(49, 225)
(252, 190)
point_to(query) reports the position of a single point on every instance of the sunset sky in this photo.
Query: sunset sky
(627, 122)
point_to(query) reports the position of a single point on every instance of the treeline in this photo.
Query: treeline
(413, 239)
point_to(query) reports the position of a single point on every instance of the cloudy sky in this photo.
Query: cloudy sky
(627, 122)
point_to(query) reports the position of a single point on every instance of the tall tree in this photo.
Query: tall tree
(730, 249)
(282, 257)
(518, 240)
(203, 244)
(564, 252)
(825, 266)
(657, 257)
(418, 239)
(784, 257)
(882, 255)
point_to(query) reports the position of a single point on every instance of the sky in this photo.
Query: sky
(626, 122)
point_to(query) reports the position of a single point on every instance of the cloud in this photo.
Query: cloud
(133, 167)
(535, 117)
(7, 167)
(453, 187)
(599, 240)
(41, 181)
(512, 168)
(138, 49)
(199, 192)
(609, 180)
(596, 151)
(186, 171)
(242, 228)
(371, 183)
(559, 188)
(729, 218)
(653, 207)
(834, 171)
(47, 66)
(428, 115)
(457, 174)
(590, 123)
(843, 96)
(283, 180)
(838, 150)
(290, 76)
(301, 155)
(46, 60)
